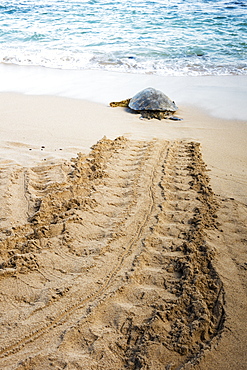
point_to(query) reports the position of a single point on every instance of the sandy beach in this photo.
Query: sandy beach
(123, 241)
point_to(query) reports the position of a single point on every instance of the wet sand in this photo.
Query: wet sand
(131, 255)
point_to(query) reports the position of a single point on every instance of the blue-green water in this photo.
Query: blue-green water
(164, 37)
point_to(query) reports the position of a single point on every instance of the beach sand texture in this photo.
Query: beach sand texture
(123, 258)
(131, 254)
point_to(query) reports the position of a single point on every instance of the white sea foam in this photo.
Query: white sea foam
(64, 60)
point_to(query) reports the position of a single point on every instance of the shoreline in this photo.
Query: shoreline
(221, 96)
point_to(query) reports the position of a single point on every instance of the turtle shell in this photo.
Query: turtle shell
(151, 99)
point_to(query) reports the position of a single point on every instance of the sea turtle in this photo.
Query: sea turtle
(151, 103)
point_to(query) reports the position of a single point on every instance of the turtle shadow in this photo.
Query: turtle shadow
(149, 115)
(131, 111)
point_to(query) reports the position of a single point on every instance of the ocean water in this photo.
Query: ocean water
(162, 37)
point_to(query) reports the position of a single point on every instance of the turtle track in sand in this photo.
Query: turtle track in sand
(110, 266)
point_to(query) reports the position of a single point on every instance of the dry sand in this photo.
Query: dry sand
(130, 256)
